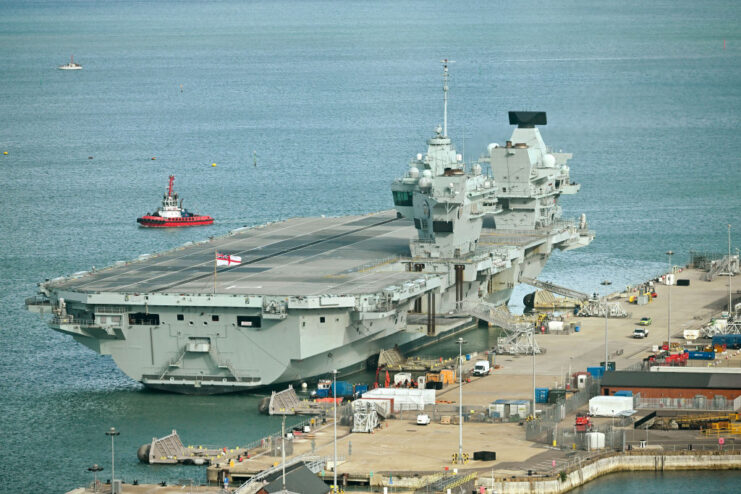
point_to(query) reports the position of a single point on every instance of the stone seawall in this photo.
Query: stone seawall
(618, 462)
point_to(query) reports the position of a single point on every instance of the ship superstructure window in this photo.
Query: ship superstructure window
(321, 319)
(142, 319)
(215, 318)
(402, 198)
(181, 317)
(249, 321)
(442, 226)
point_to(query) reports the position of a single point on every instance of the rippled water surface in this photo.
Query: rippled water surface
(334, 97)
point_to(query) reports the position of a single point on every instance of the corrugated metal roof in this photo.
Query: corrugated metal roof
(672, 380)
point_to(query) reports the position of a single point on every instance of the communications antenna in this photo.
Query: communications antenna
(445, 63)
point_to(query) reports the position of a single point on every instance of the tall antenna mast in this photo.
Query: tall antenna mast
(445, 63)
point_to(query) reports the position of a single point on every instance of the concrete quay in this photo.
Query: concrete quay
(407, 456)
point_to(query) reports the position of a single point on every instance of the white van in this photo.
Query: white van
(481, 368)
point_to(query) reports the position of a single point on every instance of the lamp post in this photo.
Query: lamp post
(113, 433)
(607, 311)
(95, 469)
(283, 449)
(730, 275)
(460, 400)
(669, 296)
(532, 347)
(334, 399)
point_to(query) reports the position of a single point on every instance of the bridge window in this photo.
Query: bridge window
(402, 198)
(142, 319)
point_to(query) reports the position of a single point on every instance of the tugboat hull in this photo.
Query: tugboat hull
(158, 222)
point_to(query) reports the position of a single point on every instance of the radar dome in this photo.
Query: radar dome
(549, 160)
(491, 147)
(425, 182)
(414, 172)
(427, 174)
(419, 156)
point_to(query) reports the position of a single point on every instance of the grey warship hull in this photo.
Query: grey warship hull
(309, 295)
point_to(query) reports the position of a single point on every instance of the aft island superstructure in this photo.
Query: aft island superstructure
(315, 294)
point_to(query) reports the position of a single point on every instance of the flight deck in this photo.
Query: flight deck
(296, 257)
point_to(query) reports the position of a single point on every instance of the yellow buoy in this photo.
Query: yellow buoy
(5, 152)
(213, 165)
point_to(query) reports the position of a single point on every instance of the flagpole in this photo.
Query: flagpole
(215, 263)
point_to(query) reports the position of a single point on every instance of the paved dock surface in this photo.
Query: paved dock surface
(402, 446)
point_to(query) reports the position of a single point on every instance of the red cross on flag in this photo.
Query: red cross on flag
(227, 260)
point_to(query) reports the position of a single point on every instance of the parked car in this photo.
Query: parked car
(640, 332)
(423, 419)
(645, 321)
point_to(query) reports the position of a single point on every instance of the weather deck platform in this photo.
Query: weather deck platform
(296, 257)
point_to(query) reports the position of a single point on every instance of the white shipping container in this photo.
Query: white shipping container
(595, 440)
(498, 408)
(555, 325)
(404, 398)
(402, 377)
(610, 406)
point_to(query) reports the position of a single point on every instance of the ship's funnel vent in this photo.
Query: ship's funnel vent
(527, 119)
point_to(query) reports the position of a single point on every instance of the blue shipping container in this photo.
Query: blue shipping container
(342, 389)
(700, 355)
(596, 372)
(360, 389)
(623, 392)
(729, 340)
(541, 395)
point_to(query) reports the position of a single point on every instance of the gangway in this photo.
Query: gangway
(553, 288)
(517, 336)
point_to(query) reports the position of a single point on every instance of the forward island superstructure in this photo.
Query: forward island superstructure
(315, 294)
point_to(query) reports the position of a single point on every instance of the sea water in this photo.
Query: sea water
(332, 98)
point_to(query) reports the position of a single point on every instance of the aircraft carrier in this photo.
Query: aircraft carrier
(315, 294)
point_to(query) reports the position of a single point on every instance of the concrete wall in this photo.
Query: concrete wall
(618, 462)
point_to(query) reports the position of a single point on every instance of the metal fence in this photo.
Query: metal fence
(548, 429)
(699, 402)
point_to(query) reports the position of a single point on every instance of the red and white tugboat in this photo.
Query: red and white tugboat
(172, 215)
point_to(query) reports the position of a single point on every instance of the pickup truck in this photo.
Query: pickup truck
(640, 332)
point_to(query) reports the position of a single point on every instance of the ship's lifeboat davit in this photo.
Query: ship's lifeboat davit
(170, 214)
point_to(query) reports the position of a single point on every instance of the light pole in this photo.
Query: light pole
(334, 399)
(730, 274)
(532, 347)
(460, 400)
(95, 469)
(113, 433)
(669, 282)
(283, 448)
(607, 311)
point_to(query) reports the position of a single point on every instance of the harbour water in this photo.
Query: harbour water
(333, 97)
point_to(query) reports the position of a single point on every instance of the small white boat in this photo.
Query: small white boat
(71, 65)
